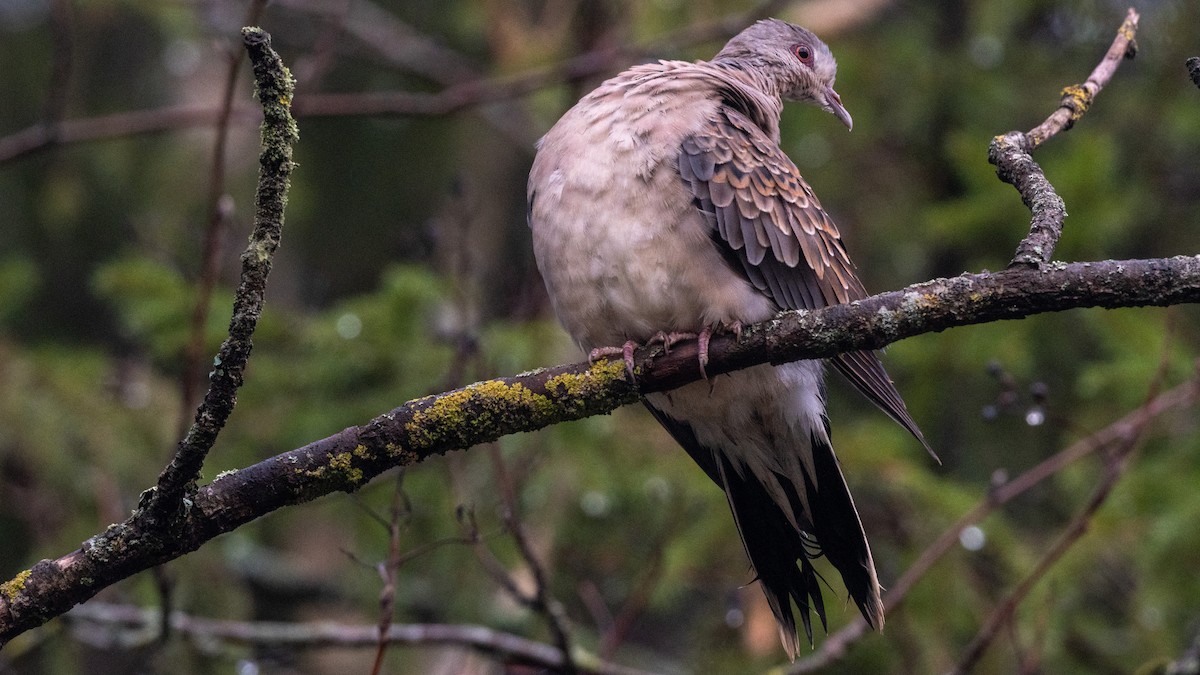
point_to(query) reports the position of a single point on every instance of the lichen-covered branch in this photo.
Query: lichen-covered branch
(1012, 152)
(220, 209)
(486, 411)
(274, 86)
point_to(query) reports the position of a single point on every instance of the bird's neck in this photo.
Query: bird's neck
(752, 93)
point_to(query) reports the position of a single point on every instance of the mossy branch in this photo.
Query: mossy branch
(485, 411)
(164, 505)
(1012, 153)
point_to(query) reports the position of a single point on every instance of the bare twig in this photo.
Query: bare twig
(541, 600)
(1078, 98)
(127, 626)
(118, 125)
(220, 211)
(388, 570)
(1012, 152)
(635, 603)
(838, 644)
(1118, 454)
(1114, 467)
(166, 504)
(311, 68)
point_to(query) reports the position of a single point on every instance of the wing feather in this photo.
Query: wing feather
(764, 216)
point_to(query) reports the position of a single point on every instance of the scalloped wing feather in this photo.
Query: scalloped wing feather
(760, 208)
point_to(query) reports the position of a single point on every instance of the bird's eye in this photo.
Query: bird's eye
(804, 53)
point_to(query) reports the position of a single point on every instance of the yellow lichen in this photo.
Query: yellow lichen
(455, 416)
(597, 377)
(11, 589)
(341, 464)
(1077, 99)
(475, 413)
(401, 454)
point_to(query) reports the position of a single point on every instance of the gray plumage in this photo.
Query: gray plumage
(663, 202)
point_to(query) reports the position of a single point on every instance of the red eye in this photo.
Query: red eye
(804, 53)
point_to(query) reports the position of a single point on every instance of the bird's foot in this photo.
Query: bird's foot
(705, 336)
(625, 352)
(668, 340)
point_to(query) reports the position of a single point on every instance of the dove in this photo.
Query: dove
(662, 208)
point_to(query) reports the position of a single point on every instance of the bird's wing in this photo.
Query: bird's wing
(769, 226)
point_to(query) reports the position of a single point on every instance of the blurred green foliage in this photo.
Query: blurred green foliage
(406, 270)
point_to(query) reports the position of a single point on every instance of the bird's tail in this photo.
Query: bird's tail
(782, 553)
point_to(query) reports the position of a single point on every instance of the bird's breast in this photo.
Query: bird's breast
(623, 250)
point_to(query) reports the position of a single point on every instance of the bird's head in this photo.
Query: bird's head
(793, 61)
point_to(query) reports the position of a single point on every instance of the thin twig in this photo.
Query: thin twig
(388, 570)
(1076, 99)
(127, 626)
(838, 644)
(314, 66)
(274, 88)
(1114, 467)
(1117, 458)
(651, 573)
(540, 601)
(1012, 152)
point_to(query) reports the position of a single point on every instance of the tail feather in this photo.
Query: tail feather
(840, 532)
(780, 553)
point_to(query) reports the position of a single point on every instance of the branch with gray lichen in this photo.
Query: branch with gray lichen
(1012, 152)
(274, 86)
(486, 411)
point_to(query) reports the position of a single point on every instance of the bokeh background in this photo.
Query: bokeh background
(406, 270)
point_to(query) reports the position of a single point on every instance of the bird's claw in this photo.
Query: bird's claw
(668, 340)
(625, 352)
(705, 337)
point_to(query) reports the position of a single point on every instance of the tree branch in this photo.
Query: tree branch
(1116, 462)
(130, 626)
(220, 211)
(274, 85)
(487, 410)
(1012, 152)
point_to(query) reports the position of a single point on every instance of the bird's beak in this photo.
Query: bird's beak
(833, 104)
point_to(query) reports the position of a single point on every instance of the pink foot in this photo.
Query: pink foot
(705, 337)
(668, 340)
(625, 352)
